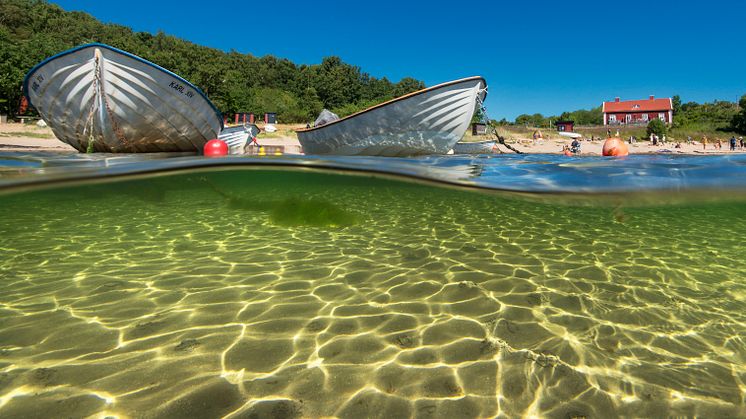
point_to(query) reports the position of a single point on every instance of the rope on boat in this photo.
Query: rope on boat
(100, 96)
(492, 130)
(114, 125)
(89, 120)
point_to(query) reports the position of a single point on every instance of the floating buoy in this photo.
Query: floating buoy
(215, 148)
(615, 147)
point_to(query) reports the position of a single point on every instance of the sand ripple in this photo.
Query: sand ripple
(303, 295)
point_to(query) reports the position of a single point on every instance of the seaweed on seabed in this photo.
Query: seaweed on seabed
(310, 212)
(298, 211)
(293, 211)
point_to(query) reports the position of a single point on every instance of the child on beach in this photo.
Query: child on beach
(575, 146)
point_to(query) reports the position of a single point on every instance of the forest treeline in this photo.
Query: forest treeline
(32, 30)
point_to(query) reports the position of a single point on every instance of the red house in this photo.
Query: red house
(565, 126)
(637, 112)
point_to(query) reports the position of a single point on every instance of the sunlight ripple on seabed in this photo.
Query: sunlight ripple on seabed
(302, 295)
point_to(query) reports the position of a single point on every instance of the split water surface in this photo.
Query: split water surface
(447, 287)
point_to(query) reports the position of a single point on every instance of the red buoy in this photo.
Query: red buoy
(614, 147)
(215, 148)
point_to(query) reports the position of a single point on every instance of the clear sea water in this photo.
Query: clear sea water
(494, 286)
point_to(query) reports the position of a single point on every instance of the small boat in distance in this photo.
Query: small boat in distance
(570, 134)
(99, 98)
(429, 121)
(476, 147)
(238, 136)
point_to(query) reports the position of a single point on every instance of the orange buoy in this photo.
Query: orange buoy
(568, 152)
(614, 146)
(215, 148)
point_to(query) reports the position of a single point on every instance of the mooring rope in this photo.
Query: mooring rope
(99, 95)
(492, 130)
(88, 127)
(114, 125)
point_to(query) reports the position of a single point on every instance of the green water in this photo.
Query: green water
(304, 294)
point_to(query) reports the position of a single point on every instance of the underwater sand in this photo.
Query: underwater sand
(302, 294)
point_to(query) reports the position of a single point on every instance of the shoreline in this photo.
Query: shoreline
(16, 137)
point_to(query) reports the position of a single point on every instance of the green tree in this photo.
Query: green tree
(538, 120)
(583, 117)
(32, 30)
(657, 127)
(478, 114)
(407, 85)
(310, 103)
(676, 102)
(739, 120)
(524, 119)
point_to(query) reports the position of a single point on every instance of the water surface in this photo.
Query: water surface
(292, 292)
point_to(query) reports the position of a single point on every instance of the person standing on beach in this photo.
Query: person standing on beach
(733, 143)
(704, 142)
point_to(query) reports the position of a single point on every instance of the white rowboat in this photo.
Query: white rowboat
(429, 121)
(101, 98)
(237, 137)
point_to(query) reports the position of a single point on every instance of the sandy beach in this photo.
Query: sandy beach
(593, 148)
(29, 137)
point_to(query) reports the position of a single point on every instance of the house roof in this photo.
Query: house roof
(644, 105)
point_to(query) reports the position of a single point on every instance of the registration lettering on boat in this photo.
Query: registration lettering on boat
(180, 88)
(35, 85)
(176, 86)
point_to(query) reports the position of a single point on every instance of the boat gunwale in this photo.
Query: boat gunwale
(47, 60)
(397, 99)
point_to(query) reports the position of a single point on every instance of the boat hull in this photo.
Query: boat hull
(99, 98)
(430, 121)
(236, 137)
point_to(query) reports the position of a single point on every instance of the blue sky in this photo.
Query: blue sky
(537, 56)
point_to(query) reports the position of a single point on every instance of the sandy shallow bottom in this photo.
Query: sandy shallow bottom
(270, 294)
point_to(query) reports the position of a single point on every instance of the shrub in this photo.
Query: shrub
(657, 127)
